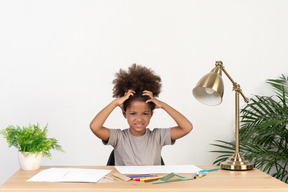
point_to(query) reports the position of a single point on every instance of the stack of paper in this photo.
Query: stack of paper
(158, 169)
(69, 175)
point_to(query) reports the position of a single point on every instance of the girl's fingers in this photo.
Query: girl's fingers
(148, 93)
(130, 92)
(149, 100)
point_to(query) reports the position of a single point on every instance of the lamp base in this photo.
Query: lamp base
(237, 163)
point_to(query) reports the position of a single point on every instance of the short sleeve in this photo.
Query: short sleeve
(114, 137)
(164, 136)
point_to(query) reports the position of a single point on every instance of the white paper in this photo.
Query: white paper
(69, 175)
(157, 169)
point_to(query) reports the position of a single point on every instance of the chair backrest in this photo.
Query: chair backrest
(111, 160)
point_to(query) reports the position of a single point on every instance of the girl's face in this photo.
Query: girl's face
(138, 115)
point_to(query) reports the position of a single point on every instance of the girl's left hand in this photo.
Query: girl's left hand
(152, 99)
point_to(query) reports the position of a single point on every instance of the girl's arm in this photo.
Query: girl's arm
(97, 123)
(184, 126)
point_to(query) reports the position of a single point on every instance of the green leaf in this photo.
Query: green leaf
(30, 139)
(263, 132)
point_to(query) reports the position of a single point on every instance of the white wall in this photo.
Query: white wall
(58, 59)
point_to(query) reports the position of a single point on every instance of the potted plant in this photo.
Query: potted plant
(264, 132)
(32, 144)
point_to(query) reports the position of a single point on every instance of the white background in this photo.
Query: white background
(58, 59)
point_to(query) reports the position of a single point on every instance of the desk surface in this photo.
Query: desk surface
(221, 180)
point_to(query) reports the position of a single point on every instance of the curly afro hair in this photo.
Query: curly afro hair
(137, 78)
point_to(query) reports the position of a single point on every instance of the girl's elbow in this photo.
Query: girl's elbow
(93, 127)
(189, 128)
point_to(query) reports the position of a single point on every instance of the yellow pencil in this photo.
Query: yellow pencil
(150, 178)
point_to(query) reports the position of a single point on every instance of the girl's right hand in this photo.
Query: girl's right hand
(126, 96)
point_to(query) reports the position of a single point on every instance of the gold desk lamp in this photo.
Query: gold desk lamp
(209, 90)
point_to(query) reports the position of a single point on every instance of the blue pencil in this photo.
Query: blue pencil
(208, 170)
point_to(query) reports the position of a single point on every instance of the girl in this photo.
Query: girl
(135, 93)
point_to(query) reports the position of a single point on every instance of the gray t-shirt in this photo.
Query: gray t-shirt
(143, 150)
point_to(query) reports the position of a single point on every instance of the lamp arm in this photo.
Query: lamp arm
(236, 86)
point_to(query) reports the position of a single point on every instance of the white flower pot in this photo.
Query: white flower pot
(29, 161)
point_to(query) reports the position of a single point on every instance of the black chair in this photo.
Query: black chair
(111, 160)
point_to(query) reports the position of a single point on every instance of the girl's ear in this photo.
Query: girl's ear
(124, 113)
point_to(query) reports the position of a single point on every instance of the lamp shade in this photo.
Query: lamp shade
(210, 88)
